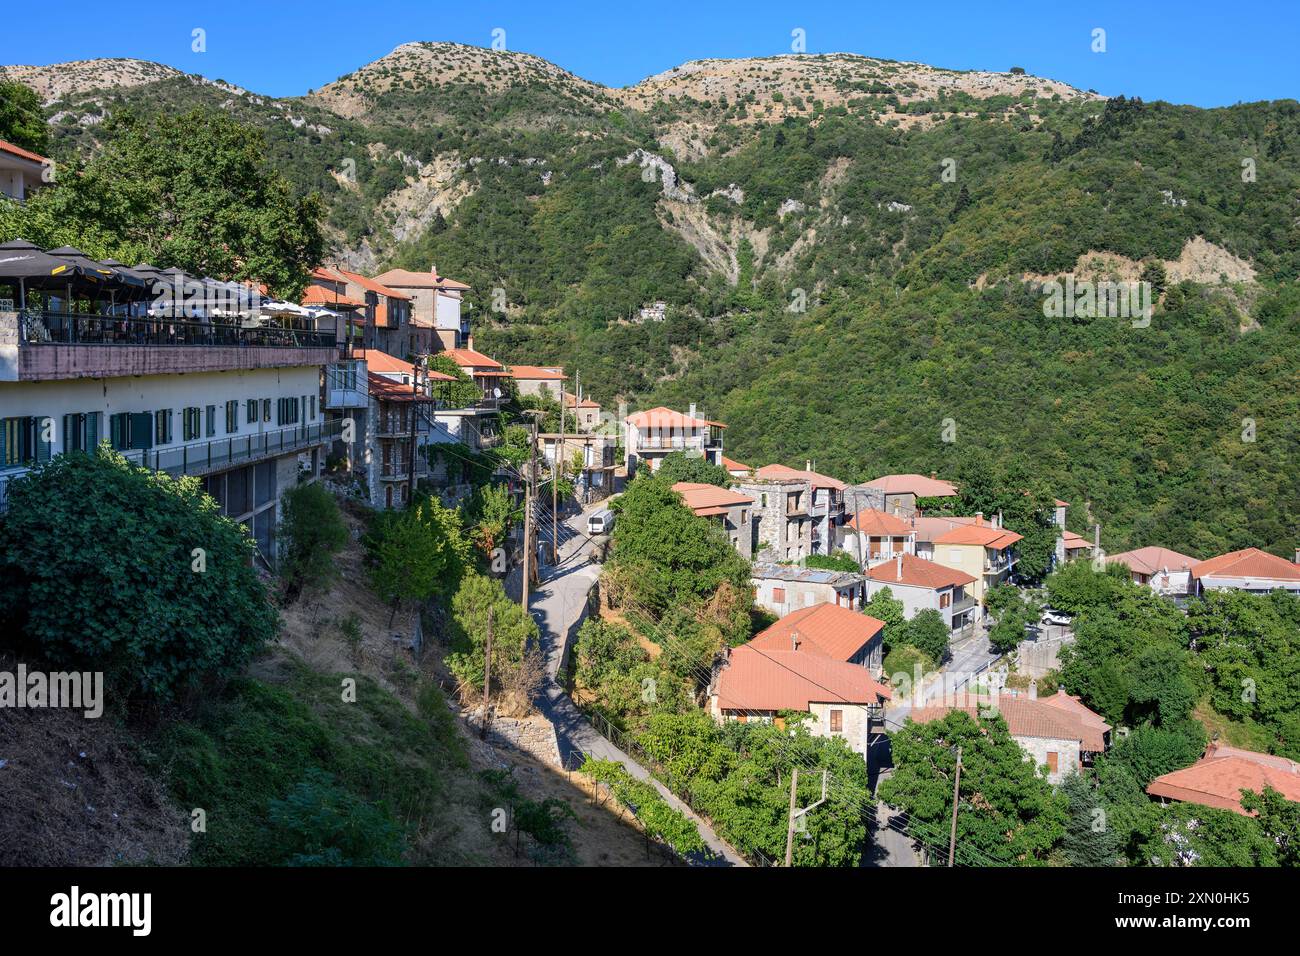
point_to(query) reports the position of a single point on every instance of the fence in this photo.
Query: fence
(74, 328)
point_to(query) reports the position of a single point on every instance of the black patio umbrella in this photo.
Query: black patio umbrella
(29, 267)
(124, 274)
(91, 270)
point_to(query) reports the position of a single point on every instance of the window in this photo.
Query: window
(128, 430)
(119, 431)
(24, 440)
(1051, 761)
(945, 599)
(80, 431)
(313, 408)
(232, 416)
(212, 421)
(191, 423)
(266, 409)
(778, 595)
(162, 428)
(286, 411)
(251, 412)
(837, 722)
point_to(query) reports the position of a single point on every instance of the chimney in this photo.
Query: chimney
(934, 475)
(433, 270)
(999, 524)
(1297, 555)
(898, 567)
(979, 517)
(1033, 689)
(1096, 538)
(794, 640)
(692, 410)
(469, 341)
(807, 464)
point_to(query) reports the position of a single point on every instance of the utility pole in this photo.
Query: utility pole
(530, 495)
(789, 826)
(556, 466)
(956, 791)
(487, 676)
(797, 813)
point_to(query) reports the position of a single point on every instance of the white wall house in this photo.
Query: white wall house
(652, 435)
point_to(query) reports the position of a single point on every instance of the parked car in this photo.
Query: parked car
(602, 522)
(1055, 617)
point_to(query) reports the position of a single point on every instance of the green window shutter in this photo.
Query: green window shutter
(92, 431)
(69, 432)
(142, 429)
(44, 447)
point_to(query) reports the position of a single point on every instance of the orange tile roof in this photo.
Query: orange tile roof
(755, 679)
(815, 479)
(1217, 779)
(7, 147)
(707, 500)
(1151, 559)
(869, 521)
(920, 573)
(1248, 563)
(1025, 717)
(732, 465)
(919, 485)
(981, 533)
(326, 274)
(1092, 721)
(382, 362)
(571, 400)
(419, 280)
(319, 295)
(825, 629)
(390, 390)
(372, 285)
(537, 372)
(662, 417)
(1074, 541)
(468, 358)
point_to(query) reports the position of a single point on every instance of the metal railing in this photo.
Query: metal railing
(75, 328)
(199, 457)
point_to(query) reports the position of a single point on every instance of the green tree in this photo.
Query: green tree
(679, 466)
(22, 121)
(108, 566)
(462, 391)
(417, 554)
(1008, 813)
(883, 606)
(318, 823)
(1089, 839)
(928, 633)
(311, 532)
(513, 631)
(1278, 820)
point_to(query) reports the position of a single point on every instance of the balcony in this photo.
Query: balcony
(1000, 565)
(45, 345)
(207, 457)
(394, 471)
(963, 603)
(667, 443)
(346, 385)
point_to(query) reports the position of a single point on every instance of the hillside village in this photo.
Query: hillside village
(605, 596)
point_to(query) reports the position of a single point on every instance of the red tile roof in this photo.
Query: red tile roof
(390, 390)
(468, 358)
(1152, 559)
(919, 485)
(1025, 717)
(732, 465)
(755, 679)
(1217, 779)
(1074, 541)
(918, 572)
(382, 362)
(537, 372)
(420, 280)
(373, 285)
(825, 629)
(979, 533)
(1247, 563)
(815, 479)
(571, 401)
(319, 295)
(707, 500)
(1092, 722)
(879, 524)
(7, 147)
(661, 417)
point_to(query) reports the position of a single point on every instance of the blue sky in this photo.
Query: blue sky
(1193, 51)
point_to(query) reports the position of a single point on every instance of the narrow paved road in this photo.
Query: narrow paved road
(558, 605)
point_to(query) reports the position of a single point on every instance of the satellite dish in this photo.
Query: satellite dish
(496, 393)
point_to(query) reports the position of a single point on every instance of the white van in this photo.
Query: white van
(602, 522)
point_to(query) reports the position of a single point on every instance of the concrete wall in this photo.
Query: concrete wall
(798, 595)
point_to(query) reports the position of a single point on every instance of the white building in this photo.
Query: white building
(652, 435)
(1250, 570)
(1164, 571)
(21, 171)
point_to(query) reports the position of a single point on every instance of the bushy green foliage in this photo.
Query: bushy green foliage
(611, 665)
(22, 121)
(417, 554)
(739, 776)
(311, 532)
(513, 631)
(883, 606)
(927, 632)
(679, 466)
(462, 391)
(319, 823)
(108, 566)
(839, 561)
(661, 820)
(1088, 840)
(1008, 813)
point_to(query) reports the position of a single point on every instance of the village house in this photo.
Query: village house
(925, 586)
(975, 546)
(545, 381)
(1058, 733)
(824, 505)
(735, 468)
(595, 455)
(898, 494)
(437, 310)
(1250, 570)
(733, 511)
(21, 171)
(387, 317)
(783, 530)
(652, 435)
(873, 536)
(819, 661)
(782, 588)
(487, 373)
(583, 412)
(1165, 572)
(1070, 546)
(1217, 779)
(219, 386)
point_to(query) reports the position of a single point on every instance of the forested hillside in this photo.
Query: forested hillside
(848, 249)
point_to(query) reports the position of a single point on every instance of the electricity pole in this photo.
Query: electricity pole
(530, 494)
(487, 676)
(797, 813)
(956, 790)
